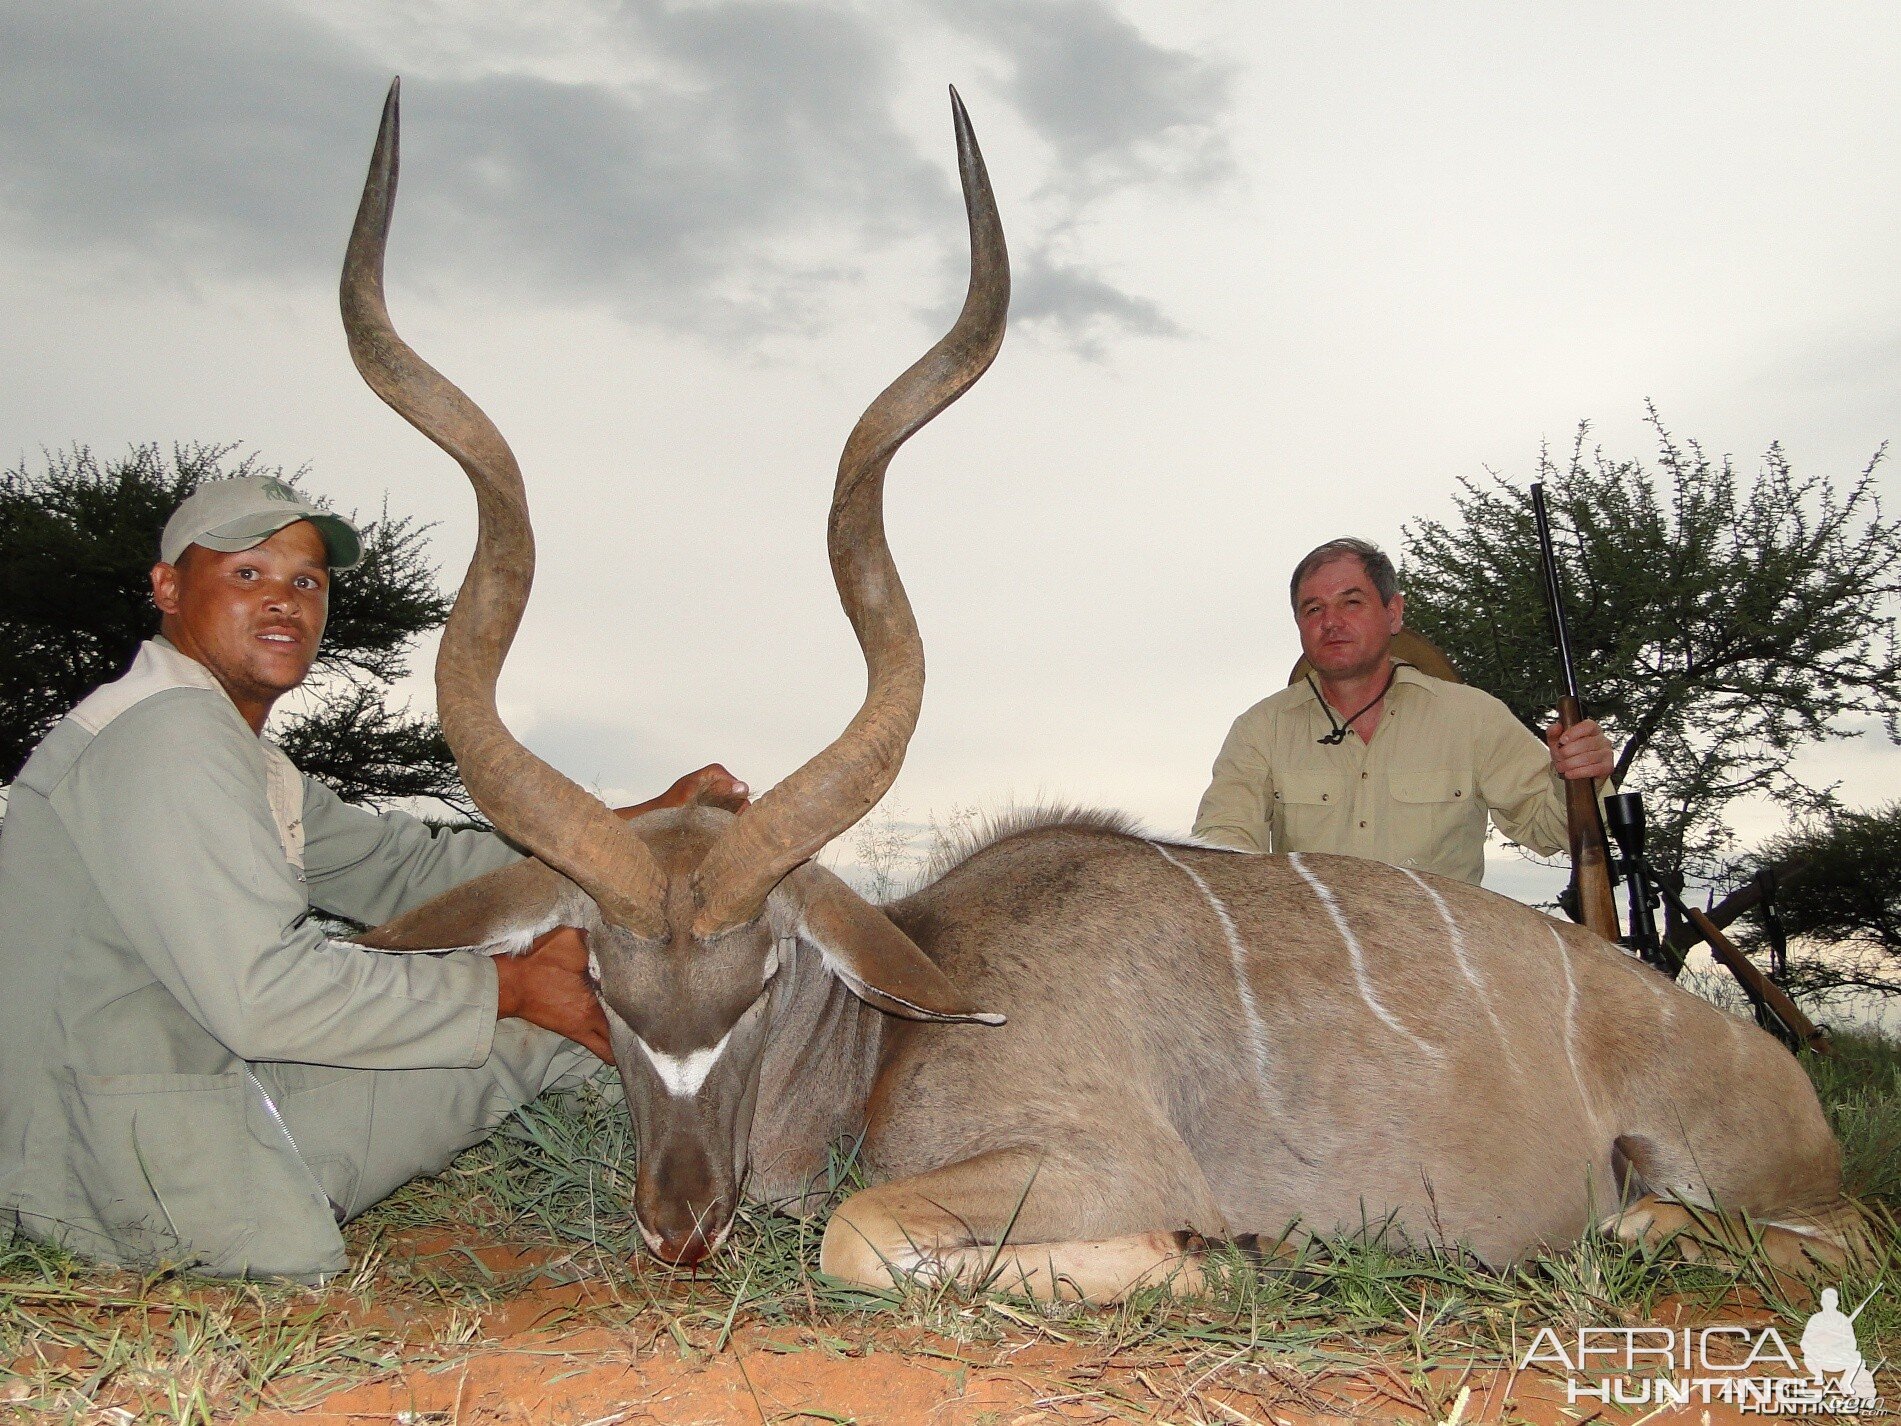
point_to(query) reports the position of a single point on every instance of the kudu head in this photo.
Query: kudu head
(687, 909)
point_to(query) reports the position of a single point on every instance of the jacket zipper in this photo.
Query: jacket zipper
(277, 1118)
(270, 1108)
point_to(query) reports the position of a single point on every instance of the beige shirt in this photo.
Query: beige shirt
(1445, 756)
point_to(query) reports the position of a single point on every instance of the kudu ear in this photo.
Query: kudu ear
(882, 966)
(500, 914)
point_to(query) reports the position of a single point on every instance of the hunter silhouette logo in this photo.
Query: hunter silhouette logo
(1829, 1348)
(277, 490)
(1750, 1368)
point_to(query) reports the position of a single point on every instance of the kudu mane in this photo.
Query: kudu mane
(963, 843)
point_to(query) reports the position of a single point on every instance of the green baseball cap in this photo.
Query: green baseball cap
(246, 510)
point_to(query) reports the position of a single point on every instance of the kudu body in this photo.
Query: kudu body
(1077, 1049)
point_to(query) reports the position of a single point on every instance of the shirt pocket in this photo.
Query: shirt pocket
(173, 1168)
(1307, 811)
(1431, 785)
(1438, 811)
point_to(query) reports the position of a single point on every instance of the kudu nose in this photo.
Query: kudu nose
(683, 1252)
(686, 1234)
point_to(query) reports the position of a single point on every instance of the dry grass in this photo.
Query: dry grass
(79, 1342)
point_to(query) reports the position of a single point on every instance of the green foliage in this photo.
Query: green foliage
(354, 743)
(1859, 1082)
(1718, 626)
(1842, 913)
(78, 538)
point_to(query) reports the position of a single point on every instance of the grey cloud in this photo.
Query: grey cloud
(729, 190)
(1845, 358)
(1116, 107)
(1081, 306)
(1118, 111)
(680, 199)
(230, 136)
(184, 132)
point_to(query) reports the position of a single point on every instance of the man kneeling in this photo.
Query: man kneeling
(191, 1072)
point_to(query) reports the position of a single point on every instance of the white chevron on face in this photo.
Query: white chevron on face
(684, 1074)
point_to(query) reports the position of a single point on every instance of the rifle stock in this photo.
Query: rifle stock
(1804, 1030)
(1590, 849)
(1590, 858)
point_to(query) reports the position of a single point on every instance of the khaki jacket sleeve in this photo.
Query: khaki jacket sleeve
(370, 866)
(1234, 811)
(1519, 784)
(169, 811)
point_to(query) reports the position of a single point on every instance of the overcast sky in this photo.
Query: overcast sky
(1283, 272)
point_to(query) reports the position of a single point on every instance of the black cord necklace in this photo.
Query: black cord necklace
(1340, 730)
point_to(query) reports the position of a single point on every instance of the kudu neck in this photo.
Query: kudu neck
(820, 1060)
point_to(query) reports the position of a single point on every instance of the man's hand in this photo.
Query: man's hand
(548, 986)
(711, 786)
(1582, 752)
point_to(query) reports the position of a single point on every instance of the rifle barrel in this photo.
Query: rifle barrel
(1554, 594)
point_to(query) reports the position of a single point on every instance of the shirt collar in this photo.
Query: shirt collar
(1407, 677)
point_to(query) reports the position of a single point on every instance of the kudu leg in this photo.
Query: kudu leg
(1801, 1245)
(952, 1224)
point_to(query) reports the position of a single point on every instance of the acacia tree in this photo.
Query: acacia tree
(1719, 626)
(78, 538)
(1842, 914)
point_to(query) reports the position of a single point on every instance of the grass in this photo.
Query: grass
(80, 1342)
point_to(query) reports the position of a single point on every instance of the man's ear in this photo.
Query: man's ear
(165, 588)
(500, 914)
(879, 963)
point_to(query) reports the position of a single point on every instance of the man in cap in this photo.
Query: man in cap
(190, 1070)
(1370, 757)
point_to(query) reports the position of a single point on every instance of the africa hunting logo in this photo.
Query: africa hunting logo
(1752, 1369)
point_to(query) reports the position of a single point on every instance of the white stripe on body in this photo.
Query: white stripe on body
(1237, 956)
(1358, 957)
(1571, 1022)
(1460, 958)
(1455, 935)
(1662, 992)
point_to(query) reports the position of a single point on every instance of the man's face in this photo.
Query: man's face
(1344, 629)
(254, 618)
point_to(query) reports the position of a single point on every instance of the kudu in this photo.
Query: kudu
(1199, 1044)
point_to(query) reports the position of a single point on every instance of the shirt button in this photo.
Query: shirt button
(1363, 777)
(1362, 825)
(1323, 797)
(1458, 792)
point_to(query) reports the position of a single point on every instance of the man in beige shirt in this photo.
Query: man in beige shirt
(1372, 758)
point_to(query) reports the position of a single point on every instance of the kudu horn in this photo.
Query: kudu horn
(553, 817)
(842, 783)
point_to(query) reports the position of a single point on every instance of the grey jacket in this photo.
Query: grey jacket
(163, 980)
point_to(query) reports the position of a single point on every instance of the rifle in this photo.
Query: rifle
(1624, 816)
(1774, 1009)
(1590, 853)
